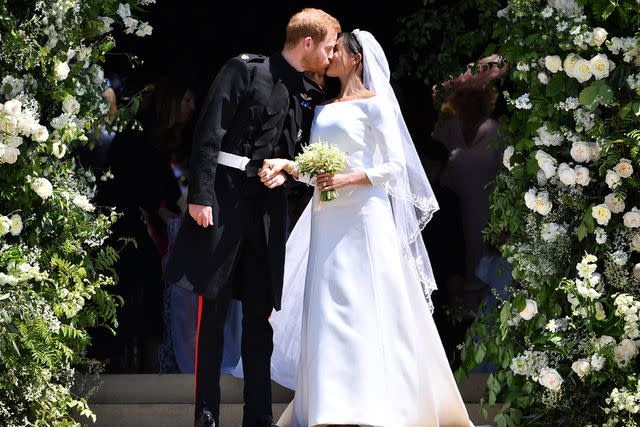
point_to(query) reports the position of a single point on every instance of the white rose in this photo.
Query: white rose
(542, 204)
(543, 78)
(10, 154)
(599, 66)
(530, 198)
(635, 242)
(566, 174)
(601, 214)
(598, 36)
(582, 175)
(13, 107)
(624, 168)
(614, 203)
(553, 63)
(42, 187)
(581, 367)
(569, 64)
(506, 157)
(546, 163)
(581, 152)
(61, 69)
(612, 179)
(70, 106)
(530, 310)
(41, 134)
(636, 271)
(5, 225)
(550, 378)
(8, 124)
(16, 224)
(582, 70)
(59, 149)
(597, 362)
(632, 219)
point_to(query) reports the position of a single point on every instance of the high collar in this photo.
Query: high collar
(287, 72)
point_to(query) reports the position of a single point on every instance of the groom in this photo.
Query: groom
(232, 243)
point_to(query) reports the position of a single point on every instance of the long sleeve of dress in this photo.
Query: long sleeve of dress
(216, 118)
(386, 135)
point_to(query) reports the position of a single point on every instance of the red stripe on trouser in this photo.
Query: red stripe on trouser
(195, 373)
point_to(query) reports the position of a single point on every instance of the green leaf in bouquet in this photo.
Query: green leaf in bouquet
(519, 302)
(555, 86)
(595, 94)
(480, 353)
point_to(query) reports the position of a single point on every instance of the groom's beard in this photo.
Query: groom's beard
(315, 64)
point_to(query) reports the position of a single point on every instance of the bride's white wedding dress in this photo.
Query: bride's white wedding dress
(368, 350)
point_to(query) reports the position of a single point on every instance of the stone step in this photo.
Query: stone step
(181, 415)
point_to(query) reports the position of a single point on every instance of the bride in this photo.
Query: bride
(355, 337)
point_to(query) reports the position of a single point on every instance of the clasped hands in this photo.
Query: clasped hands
(274, 173)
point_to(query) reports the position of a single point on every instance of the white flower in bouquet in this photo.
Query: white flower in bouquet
(8, 154)
(61, 69)
(566, 174)
(582, 175)
(42, 187)
(625, 352)
(568, 7)
(28, 124)
(628, 46)
(538, 202)
(543, 78)
(620, 258)
(548, 138)
(131, 24)
(547, 163)
(612, 179)
(530, 310)
(600, 66)
(557, 325)
(601, 214)
(547, 12)
(581, 367)
(5, 225)
(597, 362)
(569, 64)
(598, 36)
(146, 2)
(11, 86)
(144, 29)
(571, 103)
(584, 120)
(601, 235)
(523, 103)
(70, 105)
(59, 149)
(106, 24)
(614, 202)
(600, 314)
(624, 168)
(550, 378)
(635, 242)
(81, 201)
(636, 271)
(16, 224)
(13, 141)
(13, 107)
(506, 157)
(522, 66)
(632, 218)
(581, 152)
(553, 63)
(605, 341)
(551, 231)
(41, 134)
(8, 124)
(503, 13)
(582, 70)
(541, 178)
(319, 158)
(97, 74)
(124, 10)
(587, 291)
(587, 266)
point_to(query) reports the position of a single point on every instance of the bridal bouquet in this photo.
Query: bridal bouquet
(319, 158)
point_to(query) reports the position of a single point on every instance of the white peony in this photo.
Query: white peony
(569, 64)
(13, 107)
(581, 367)
(598, 36)
(581, 152)
(59, 149)
(530, 198)
(566, 174)
(635, 242)
(582, 176)
(632, 218)
(601, 214)
(41, 134)
(582, 70)
(553, 63)
(614, 203)
(543, 78)
(70, 105)
(612, 179)
(506, 157)
(542, 204)
(530, 310)
(550, 378)
(9, 154)
(599, 66)
(61, 69)
(624, 168)
(16, 224)
(42, 187)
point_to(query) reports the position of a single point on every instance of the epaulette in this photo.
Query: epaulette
(252, 57)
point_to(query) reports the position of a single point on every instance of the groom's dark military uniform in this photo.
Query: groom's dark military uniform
(258, 107)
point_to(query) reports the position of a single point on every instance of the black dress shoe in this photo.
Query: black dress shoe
(205, 419)
(266, 421)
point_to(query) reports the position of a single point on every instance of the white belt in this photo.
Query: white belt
(233, 160)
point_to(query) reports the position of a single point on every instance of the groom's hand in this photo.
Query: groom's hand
(272, 181)
(272, 167)
(201, 214)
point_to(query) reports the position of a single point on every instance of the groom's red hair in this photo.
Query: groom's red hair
(310, 22)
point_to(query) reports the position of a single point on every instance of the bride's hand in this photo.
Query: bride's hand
(272, 167)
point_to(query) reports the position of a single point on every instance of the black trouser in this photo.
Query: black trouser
(251, 280)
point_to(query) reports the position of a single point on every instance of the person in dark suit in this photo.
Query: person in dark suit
(232, 242)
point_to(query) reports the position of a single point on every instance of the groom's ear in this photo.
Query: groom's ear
(307, 42)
